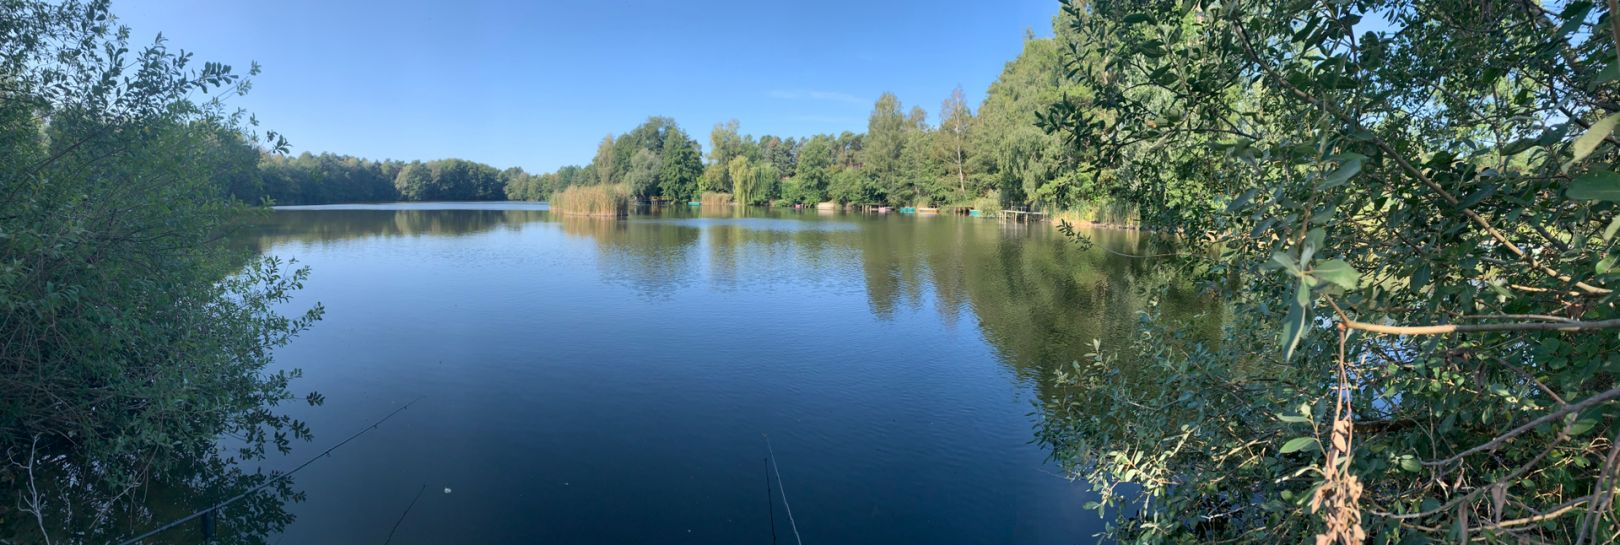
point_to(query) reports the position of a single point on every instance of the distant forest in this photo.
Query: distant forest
(992, 156)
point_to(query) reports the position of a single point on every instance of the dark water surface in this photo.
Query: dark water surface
(602, 381)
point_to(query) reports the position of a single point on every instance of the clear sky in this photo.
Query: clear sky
(537, 84)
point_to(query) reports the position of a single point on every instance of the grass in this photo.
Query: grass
(715, 198)
(592, 200)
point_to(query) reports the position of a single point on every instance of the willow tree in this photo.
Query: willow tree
(1409, 207)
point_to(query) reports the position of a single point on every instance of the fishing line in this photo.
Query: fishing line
(266, 484)
(407, 512)
(780, 488)
(770, 504)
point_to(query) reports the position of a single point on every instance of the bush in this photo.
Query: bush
(134, 338)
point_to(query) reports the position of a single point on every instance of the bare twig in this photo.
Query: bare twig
(1478, 328)
(1502, 439)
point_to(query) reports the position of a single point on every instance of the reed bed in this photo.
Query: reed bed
(592, 200)
(715, 198)
(1103, 213)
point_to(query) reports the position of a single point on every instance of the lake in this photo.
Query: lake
(612, 381)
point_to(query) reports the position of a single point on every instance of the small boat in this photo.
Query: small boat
(694, 203)
(883, 209)
(927, 210)
(975, 213)
(908, 210)
(829, 205)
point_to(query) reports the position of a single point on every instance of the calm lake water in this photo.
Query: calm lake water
(611, 381)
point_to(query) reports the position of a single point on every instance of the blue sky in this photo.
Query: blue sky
(537, 84)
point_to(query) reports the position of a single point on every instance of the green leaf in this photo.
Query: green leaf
(1598, 185)
(1287, 263)
(1297, 444)
(1135, 18)
(1337, 272)
(1614, 225)
(1291, 419)
(1582, 426)
(1477, 196)
(1518, 146)
(1242, 200)
(1341, 175)
(1410, 464)
(1588, 141)
(1298, 317)
(1574, 15)
(1608, 73)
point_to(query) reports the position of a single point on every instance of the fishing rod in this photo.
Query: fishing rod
(266, 484)
(770, 504)
(779, 488)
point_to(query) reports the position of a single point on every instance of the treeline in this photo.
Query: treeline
(331, 178)
(994, 157)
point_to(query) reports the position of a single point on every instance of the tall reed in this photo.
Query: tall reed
(715, 198)
(592, 200)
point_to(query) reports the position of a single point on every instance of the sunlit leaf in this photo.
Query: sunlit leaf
(1598, 185)
(1298, 317)
(1336, 272)
(1297, 444)
(1341, 175)
(1589, 140)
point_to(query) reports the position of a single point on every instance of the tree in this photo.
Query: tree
(134, 336)
(682, 167)
(741, 172)
(642, 176)
(884, 142)
(850, 185)
(725, 144)
(415, 182)
(1412, 225)
(954, 139)
(815, 166)
(1014, 158)
(919, 172)
(603, 168)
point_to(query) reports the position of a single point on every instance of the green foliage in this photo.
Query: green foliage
(682, 167)
(954, 146)
(885, 142)
(1013, 157)
(450, 180)
(852, 186)
(654, 160)
(642, 175)
(750, 183)
(1415, 205)
(134, 338)
(319, 179)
